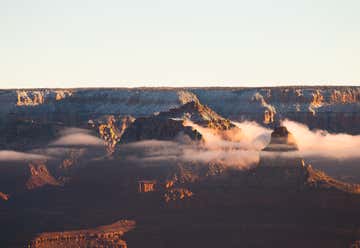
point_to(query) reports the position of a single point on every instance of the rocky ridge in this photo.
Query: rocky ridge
(169, 124)
(102, 236)
(331, 108)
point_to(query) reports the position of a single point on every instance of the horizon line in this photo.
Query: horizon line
(196, 85)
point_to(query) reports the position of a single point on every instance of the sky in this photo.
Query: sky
(117, 43)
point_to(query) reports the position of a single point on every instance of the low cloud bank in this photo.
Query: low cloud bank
(8, 155)
(243, 150)
(77, 137)
(72, 140)
(239, 150)
(320, 143)
(162, 151)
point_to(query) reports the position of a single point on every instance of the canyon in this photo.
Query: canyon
(177, 167)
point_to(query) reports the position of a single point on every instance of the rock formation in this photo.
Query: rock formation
(170, 124)
(38, 97)
(4, 196)
(40, 176)
(282, 167)
(269, 110)
(147, 128)
(72, 158)
(199, 114)
(281, 141)
(111, 129)
(102, 236)
(331, 108)
(176, 194)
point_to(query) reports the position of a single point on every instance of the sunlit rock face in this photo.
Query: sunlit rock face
(317, 102)
(29, 98)
(196, 113)
(38, 97)
(177, 194)
(199, 114)
(4, 196)
(102, 236)
(111, 128)
(40, 176)
(269, 110)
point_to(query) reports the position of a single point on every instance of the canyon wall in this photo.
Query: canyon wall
(335, 109)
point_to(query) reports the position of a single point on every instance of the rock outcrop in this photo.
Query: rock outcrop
(282, 167)
(281, 141)
(38, 97)
(170, 124)
(111, 129)
(177, 194)
(153, 127)
(269, 110)
(199, 114)
(4, 196)
(40, 176)
(102, 236)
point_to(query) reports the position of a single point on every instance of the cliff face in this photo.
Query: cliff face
(38, 97)
(111, 129)
(332, 108)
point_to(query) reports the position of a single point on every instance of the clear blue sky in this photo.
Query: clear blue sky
(72, 43)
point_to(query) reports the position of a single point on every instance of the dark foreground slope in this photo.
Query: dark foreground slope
(223, 210)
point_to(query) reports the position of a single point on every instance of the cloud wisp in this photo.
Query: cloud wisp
(77, 137)
(8, 155)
